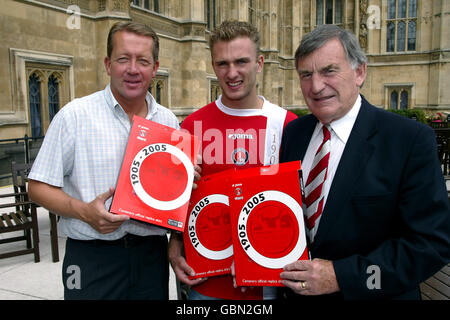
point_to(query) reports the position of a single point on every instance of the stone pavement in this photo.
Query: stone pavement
(23, 279)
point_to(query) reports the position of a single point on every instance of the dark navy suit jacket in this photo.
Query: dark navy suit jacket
(387, 206)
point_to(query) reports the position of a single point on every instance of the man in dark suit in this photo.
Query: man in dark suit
(376, 208)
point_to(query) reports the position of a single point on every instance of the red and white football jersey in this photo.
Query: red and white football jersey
(236, 138)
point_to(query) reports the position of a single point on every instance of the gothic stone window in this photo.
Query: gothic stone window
(399, 97)
(34, 85)
(159, 89)
(210, 14)
(401, 25)
(44, 97)
(152, 5)
(329, 12)
(43, 82)
(53, 96)
(215, 90)
(252, 12)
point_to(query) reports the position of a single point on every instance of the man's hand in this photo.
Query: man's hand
(310, 277)
(179, 265)
(98, 218)
(233, 274)
(94, 213)
(197, 171)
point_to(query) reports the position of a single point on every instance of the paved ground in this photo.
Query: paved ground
(23, 279)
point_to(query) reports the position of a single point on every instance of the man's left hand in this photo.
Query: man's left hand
(197, 171)
(307, 277)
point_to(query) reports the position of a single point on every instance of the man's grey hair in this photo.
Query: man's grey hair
(322, 34)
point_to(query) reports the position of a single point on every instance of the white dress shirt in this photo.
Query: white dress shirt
(340, 131)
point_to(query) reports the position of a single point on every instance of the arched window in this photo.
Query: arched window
(158, 92)
(391, 36)
(394, 100)
(391, 9)
(411, 36)
(159, 89)
(401, 8)
(34, 85)
(215, 90)
(399, 96)
(329, 12)
(319, 12)
(401, 36)
(53, 96)
(401, 25)
(251, 12)
(210, 13)
(153, 5)
(404, 100)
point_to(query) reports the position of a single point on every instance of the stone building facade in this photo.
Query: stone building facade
(53, 50)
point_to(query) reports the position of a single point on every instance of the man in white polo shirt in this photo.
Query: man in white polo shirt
(77, 167)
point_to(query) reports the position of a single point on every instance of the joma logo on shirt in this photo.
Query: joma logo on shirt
(235, 136)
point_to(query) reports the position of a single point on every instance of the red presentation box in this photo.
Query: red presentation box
(155, 180)
(207, 239)
(267, 223)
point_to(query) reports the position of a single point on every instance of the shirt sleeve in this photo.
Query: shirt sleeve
(56, 155)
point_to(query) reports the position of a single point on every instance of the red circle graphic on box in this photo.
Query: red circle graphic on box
(163, 178)
(272, 229)
(248, 241)
(213, 225)
(207, 228)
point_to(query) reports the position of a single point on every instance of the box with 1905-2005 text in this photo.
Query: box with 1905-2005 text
(155, 180)
(267, 223)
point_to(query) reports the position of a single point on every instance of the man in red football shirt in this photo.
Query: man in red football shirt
(240, 129)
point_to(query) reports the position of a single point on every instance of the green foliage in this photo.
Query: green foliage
(300, 112)
(417, 114)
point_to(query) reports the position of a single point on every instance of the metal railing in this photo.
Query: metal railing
(21, 150)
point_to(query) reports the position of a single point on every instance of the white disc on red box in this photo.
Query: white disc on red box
(209, 225)
(162, 175)
(269, 228)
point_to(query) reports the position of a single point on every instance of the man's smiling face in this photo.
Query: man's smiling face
(236, 66)
(329, 85)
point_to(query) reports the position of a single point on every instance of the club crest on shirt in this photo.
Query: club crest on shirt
(239, 156)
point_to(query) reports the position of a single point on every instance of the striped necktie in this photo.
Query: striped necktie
(314, 195)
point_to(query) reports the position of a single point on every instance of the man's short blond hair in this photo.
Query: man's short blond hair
(232, 29)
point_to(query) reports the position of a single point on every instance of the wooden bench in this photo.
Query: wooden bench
(20, 177)
(23, 218)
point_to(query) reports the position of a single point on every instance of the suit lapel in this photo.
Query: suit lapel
(353, 161)
(302, 140)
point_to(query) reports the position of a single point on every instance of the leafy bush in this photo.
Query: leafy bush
(417, 114)
(300, 112)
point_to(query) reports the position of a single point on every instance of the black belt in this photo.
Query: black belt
(129, 240)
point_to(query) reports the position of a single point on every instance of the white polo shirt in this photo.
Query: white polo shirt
(82, 153)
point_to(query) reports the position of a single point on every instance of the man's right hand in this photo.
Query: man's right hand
(94, 213)
(98, 218)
